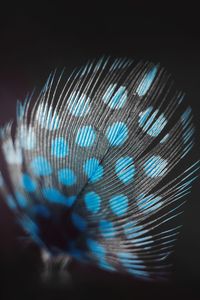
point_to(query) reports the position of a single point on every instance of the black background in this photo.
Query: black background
(37, 38)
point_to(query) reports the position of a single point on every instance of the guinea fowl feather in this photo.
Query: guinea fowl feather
(99, 165)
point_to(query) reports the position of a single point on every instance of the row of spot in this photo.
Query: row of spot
(117, 134)
(78, 103)
(155, 166)
(124, 168)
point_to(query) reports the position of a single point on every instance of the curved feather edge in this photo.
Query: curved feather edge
(100, 160)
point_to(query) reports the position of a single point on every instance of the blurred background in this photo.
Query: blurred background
(36, 39)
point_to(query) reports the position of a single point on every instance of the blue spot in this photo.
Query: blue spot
(117, 133)
(93, 169)
(41, 210)
(22, 201)
(103, 264)
(92, 201)
(100, 252)
(59, 147)
(96, 248)
(150, 125)
(47, 118)
(165, 138)
(27, 138)
(147, 203)
(146, 82)
(55, 196)
(30, 227)
(71, 200)
(186, 116)
(125, 169)
(11, 202)
(106, 228)
(40, 166)
(28, 183)
(132, 230)
(66, 176)
(116, 100)
(85, 136)
(78, 222)
(119, 204)
(78, 104)
(155, 166)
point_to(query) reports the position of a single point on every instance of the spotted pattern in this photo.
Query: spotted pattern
(125, 169)
(93, 169)
(147, 81)
(78, 104)
(149, 203)
(55, 196)
(117, 134)
(92, 201)
(155, 166)
(47, 118)
(59, 147)
(115, 99)
(67, 177)
(151, 123)
(97, 191)
(27, 138)
(85, 136)
(41, 166)
(21, 199)
(28, 183)
(107, 229)
(119, 204)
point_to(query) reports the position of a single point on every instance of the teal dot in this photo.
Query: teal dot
(96, 248)
(21, 199)
(78, 221)
(40, 166)
(125, 169)
(28, 183)
(47, 117)
(148, 203)
(119, 204)
(93, 169)
(92, 201)
(106, 228)
(132, 230)
(11, 202)
(116, 99)
(27, 138)
(165, 138)
(55, 196)
(85, 136)
(150, 123)
(146, 82)
(78, 104)
(117, 133)
(155, 166)
(66, 177)
(59, 147)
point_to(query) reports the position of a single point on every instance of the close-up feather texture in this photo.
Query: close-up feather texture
(98, 166)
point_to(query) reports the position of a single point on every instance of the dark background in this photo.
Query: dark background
(37, 38)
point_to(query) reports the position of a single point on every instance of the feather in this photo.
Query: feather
(97, 167)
